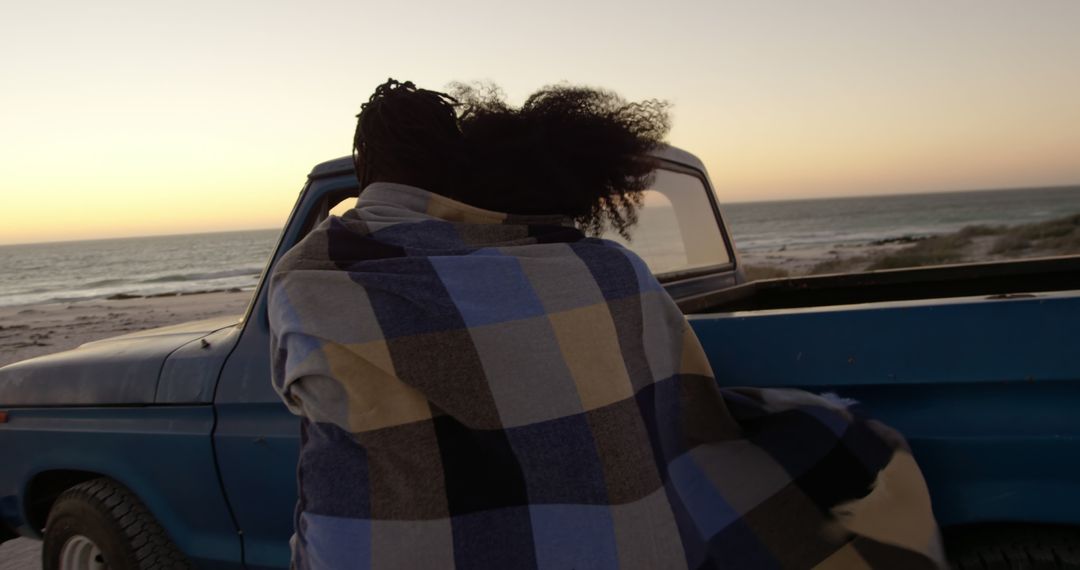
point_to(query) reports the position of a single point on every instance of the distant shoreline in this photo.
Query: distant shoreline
(1071, 186)
(124, 296)
(127, 296)
(975, 243)
(720, 194)
(42, 328)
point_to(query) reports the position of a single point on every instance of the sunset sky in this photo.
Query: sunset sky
(124, 117)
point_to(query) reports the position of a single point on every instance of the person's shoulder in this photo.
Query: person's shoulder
(311, 249)
(606, 248)
(615, 248)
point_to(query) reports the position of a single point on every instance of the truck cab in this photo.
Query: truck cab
(183, 421)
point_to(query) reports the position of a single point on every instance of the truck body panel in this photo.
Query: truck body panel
(190, 374)
(117, 371)
(163, 454)
(984, 389)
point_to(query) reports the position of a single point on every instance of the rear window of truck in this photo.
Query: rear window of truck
(677, 227)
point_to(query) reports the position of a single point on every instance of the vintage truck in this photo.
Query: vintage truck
(169, 447)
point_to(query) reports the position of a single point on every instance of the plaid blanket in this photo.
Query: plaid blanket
(482, 390)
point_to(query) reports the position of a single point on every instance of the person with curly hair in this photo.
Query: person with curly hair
(483, 383)
(576, 151)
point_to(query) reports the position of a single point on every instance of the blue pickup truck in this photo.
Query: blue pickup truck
(168, 448)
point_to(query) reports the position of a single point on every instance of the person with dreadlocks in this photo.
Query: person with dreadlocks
(408, 136)
(481, 384)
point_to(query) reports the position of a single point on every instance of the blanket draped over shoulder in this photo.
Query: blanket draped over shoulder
(483, 390)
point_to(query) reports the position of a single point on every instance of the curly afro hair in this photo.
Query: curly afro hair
(576, 151)
(579, 152)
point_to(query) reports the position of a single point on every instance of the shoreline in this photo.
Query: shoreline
(976, 243)
(128, 296)
(37, 329)
(27, 331)
(130, 293)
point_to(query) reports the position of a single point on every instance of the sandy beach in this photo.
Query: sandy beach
(977, 243)
(33, 330)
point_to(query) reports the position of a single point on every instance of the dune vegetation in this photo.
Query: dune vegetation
(1059, 236)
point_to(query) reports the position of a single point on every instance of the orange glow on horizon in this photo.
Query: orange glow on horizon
(123, 118)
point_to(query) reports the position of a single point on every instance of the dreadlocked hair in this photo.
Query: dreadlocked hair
(576, 151)
(412, 134)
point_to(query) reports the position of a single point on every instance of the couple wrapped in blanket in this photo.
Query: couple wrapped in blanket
(484, 390)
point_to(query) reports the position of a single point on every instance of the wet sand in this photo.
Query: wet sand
(20, 554)
(33, 330)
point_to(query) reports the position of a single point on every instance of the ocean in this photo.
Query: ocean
(160, 265)
(165, 265)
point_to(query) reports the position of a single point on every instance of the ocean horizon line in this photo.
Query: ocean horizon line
(912, 194)
(143, 236)
(719, 192)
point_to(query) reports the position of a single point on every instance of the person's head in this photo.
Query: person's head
(409, 136)
(580, 152)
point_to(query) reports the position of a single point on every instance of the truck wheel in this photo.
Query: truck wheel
(1009, 547)
(100, 525)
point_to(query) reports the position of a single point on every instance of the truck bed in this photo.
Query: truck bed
(962, 280)
(977, 365)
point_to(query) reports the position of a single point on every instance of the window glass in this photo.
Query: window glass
(677, 229)
(343, 206)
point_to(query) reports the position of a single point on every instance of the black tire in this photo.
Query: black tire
(1008, 547)
(116, 521)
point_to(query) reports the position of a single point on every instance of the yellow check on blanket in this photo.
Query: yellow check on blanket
(483, 390)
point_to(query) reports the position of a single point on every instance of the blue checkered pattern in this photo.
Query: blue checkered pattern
(482, 390)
